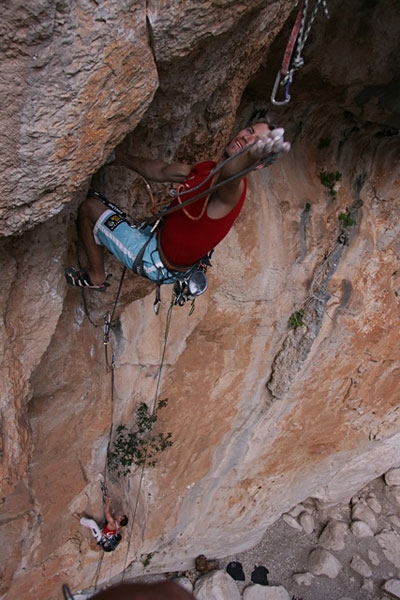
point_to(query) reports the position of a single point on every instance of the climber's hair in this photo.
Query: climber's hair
(124, 521)
(260, 116)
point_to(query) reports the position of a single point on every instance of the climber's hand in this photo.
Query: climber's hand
(270, 143)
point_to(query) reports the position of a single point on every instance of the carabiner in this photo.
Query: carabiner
(107, 325)
(275, 91)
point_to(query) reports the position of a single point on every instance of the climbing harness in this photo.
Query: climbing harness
(109, 544)
(292, 59)
(189, 282)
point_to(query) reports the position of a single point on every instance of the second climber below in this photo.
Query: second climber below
(107, 536)
(186, 235)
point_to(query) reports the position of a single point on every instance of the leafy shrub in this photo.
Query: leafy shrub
(138, 446)
(296, 319)
(329, 180)
(346, 219)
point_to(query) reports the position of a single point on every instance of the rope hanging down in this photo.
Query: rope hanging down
(292, 59)
(110, 368)
(156, 395)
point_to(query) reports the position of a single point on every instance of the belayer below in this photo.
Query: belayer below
(108, 537)
(185, 236)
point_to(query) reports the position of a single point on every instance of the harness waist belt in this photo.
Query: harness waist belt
(169, 265)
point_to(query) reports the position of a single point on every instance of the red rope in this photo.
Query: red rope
(292, 41)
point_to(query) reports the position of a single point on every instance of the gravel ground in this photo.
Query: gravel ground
(284, 551)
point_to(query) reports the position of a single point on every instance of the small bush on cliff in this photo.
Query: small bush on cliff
(346, 219)
(138, 446)
(329, 180)
(146, 560)
(296, 319)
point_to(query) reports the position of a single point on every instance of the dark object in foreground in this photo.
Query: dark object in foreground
(235, 570)
(259, 575)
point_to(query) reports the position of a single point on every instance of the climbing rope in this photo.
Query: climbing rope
(264, 161)
(108, 319)
(67, 592)
(104, 483)
(156, 216)
(132, 521)
(292, 59)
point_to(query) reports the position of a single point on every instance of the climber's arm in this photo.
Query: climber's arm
(107, 513)
(154, 169)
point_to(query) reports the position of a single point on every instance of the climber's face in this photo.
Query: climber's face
(247, 136)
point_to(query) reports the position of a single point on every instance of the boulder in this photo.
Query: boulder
(322, 562)
(392, 477)
(260, 592)
(216, 585)
(333, 535)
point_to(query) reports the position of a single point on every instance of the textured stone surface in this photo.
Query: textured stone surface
(261, 415)
(75, 80)
(360, 566)
(259, 592)
(333, 537)
(361, 529)
(216, 585)
(392, 587)
(389, 541)
(362, 512)
(392, 477)
(322, 562)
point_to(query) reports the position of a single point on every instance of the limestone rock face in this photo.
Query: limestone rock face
(283, 384)
(75, 80)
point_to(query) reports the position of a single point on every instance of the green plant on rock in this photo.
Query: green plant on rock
(140, 445)
(346, 219)
(296, 319)
(329, 179)
(146, 560)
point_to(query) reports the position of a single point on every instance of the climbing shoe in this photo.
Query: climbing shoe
(79, 278)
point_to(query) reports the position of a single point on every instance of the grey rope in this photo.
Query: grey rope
(298, 61)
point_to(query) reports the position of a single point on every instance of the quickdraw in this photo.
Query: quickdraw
(293, 61)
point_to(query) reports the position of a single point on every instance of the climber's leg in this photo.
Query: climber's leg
(94, 528)
(89, 212)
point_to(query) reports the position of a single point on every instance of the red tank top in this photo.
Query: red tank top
(110, 532)
(184, 241)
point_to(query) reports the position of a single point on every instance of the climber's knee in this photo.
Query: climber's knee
(91, 209)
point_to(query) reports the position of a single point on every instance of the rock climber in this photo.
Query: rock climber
(187, 235)
(108, 537)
